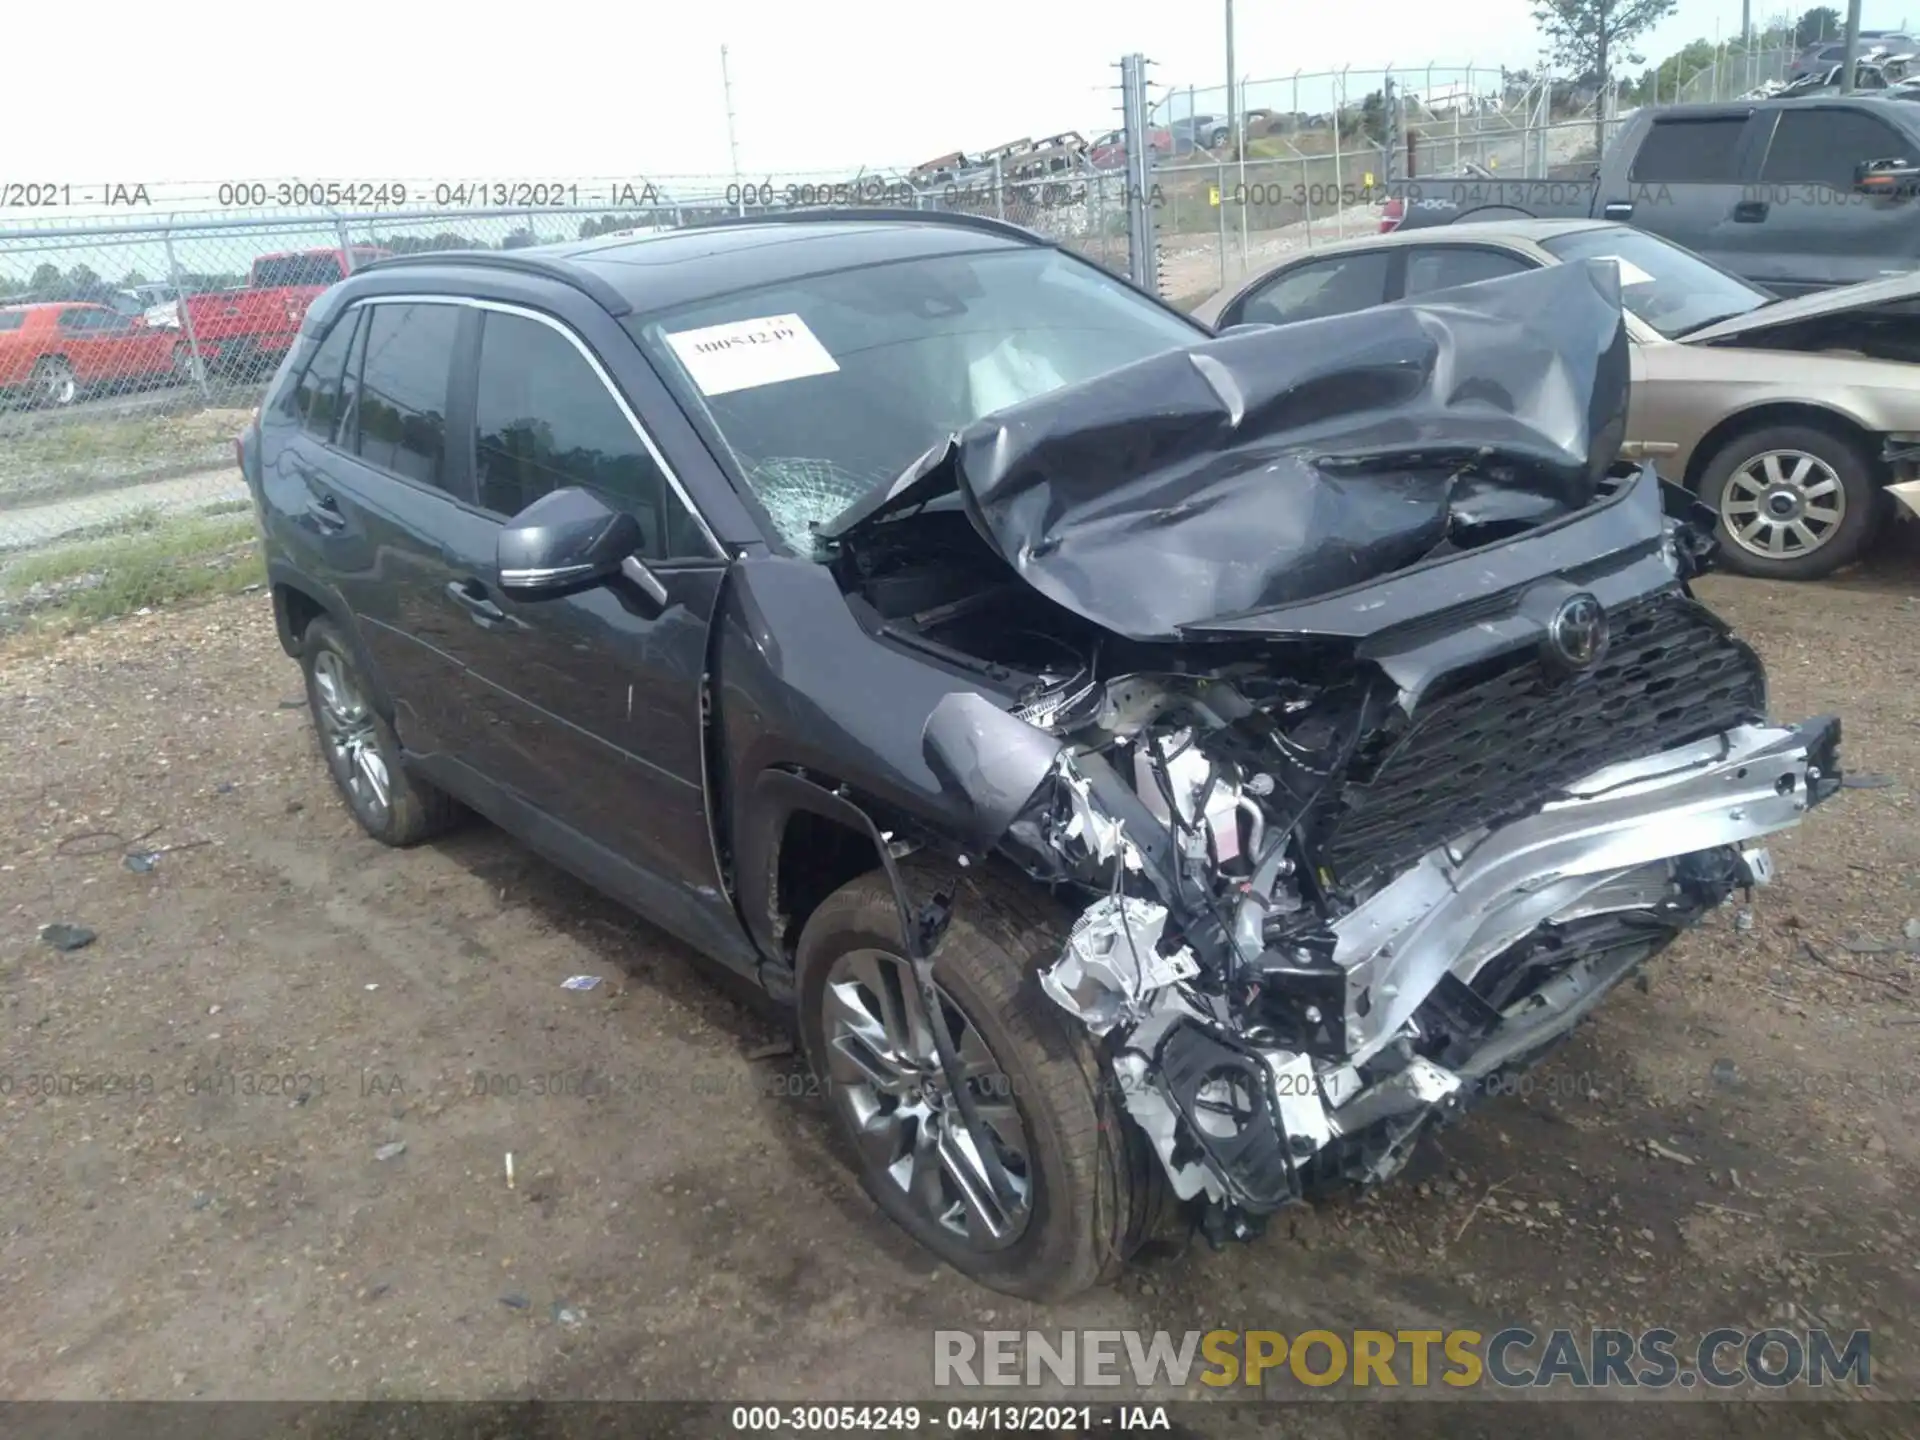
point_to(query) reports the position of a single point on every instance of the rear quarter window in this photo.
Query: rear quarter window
(281, 271)
(1689, 152)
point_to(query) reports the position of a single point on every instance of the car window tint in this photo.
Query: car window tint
(1822, 147)
(1441, 267)
(1689, 152)
(1335, 286)
(282, 270)
(79, 321)
(544, 420)
(316, 400)
(12, 320)
(403, 389)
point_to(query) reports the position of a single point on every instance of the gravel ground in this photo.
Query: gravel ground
(288, 1005)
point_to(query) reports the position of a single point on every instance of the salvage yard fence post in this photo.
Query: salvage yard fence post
(1143, 253)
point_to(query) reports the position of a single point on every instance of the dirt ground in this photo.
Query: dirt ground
(280, 1003)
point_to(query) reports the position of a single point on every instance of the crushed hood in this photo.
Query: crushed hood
(1871, 296)
(1259, 469)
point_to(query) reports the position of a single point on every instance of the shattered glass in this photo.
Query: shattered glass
(799, 491)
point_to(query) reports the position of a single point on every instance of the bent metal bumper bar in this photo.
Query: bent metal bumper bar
(1461, 905)
(1610, 842)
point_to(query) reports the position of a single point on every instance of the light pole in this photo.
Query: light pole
(1853, 46)
(1233, 125)
(733, 144)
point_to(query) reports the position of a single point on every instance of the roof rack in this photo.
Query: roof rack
(989, 223)
(546, 266)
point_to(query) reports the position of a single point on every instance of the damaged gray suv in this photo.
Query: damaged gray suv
(1155, 767)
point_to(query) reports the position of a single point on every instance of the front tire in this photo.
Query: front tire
(54, 382)
(1793, 502)
(360, 749)
(1088, 1188)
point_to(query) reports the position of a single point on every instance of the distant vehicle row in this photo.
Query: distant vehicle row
(55, 352)
(1794, 195)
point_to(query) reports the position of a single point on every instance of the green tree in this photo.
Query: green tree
(1820, 23)
(1590, 37)
(47, 282)
(84, 283)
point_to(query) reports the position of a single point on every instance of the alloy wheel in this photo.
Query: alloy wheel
(1783, 504)
(887, 1081)
(57, 385)
(346, 729)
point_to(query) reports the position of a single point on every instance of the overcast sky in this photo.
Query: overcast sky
(233, 89)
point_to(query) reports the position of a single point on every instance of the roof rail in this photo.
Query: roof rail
(991, 224)
(546, 266)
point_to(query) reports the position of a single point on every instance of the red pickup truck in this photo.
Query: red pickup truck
(246, 332)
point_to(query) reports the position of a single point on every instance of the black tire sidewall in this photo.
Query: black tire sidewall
(1054, 1256)
(1850, 464)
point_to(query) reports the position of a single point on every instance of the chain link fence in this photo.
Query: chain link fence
(1315, 153)
(132, 354)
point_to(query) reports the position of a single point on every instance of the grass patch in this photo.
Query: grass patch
(145, 560)
(46, 455)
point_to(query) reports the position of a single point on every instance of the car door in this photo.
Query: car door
(1331, 285)
(82, 344)
(1684, 183)
(377, 494)
(1813, 230)
(592, 702)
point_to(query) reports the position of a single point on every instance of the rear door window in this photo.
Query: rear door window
(1337, 285)
(1690, 152)
(1824, 147)
(402, 420)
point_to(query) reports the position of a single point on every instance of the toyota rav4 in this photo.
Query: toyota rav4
(1156, 768)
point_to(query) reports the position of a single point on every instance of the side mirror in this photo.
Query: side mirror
(1896, 176)
(567, 540)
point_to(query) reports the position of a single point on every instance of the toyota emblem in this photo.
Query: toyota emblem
(1577, 634)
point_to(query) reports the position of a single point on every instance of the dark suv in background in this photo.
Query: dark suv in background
(1128, 755)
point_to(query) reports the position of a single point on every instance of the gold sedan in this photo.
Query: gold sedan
(1797, 420)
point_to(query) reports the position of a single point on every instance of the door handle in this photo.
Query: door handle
(471, 596)
(1750, 212)
(324, 511)
(1616, 210)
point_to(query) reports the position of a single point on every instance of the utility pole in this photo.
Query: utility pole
(1233, 125)
(1853, 46)
(733, 143)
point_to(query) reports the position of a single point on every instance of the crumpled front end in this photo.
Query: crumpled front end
(1335, 882)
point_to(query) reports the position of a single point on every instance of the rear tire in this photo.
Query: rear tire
(1093, 1188)
(361, 752)
(1792, 502)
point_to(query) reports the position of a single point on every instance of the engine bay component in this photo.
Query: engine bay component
(1112, 963)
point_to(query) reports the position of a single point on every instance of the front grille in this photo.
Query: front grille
(1493, 743)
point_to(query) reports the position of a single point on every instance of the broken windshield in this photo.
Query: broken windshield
(823, 387)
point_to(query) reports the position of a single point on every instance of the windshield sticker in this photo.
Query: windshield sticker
(743, 354)
(1630, 273)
